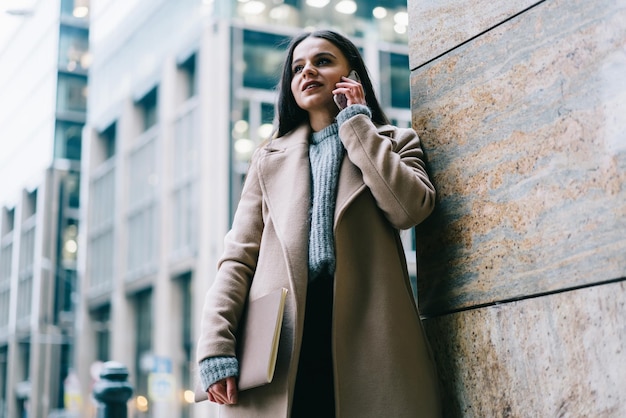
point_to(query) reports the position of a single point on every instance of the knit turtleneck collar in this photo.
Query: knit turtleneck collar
(328, 132)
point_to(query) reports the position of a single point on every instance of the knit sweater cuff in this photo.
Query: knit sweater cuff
(214, 369)
(353, 110)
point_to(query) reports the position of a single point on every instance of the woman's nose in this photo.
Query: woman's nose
(308, 70)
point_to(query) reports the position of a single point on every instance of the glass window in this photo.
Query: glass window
(68, 140)
(6, 252)
(143, 330)
(69, 248)
(184, 178)
(188, 71)
(4, 383)
(24, 298)
(8, 215)
(66, 288)
(395, 73)
(142, 227)
(101, 232)
(72, 93)
(263, 55)
(71, 190)
(101, 264)
(73, 48)
(107, 141)
(147, 107)
(101, 320)
(30, 205)
(400, 81)
(251, 125)
(24, 360)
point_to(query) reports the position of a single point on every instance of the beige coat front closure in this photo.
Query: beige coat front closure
(383, 366)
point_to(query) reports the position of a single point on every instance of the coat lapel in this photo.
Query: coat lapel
(350, 184)
(286, 183)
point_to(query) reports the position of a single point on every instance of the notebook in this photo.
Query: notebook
(257, 347)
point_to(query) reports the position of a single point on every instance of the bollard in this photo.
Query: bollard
(113, 391)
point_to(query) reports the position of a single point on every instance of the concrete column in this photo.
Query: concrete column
(520, 106)
(166, 335)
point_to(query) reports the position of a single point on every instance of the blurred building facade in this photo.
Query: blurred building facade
(181, 92)
(43, 97)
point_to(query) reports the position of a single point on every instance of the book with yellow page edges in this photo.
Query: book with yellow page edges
(257, 347)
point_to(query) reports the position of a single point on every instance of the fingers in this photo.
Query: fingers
(353, 90)
(231, 390)
(211, 397)
(224, 392)
(217, 392)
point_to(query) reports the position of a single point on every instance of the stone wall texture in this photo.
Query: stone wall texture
(521, 107)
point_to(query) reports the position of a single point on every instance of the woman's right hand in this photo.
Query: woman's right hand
(224, 392)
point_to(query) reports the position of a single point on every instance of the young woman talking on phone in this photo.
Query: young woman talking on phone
(320, 214)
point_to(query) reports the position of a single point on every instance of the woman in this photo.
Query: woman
(319, 215)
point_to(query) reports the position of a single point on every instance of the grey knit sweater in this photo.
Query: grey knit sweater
(325, 154)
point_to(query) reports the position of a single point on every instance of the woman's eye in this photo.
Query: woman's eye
(323, 61)
(297, 69)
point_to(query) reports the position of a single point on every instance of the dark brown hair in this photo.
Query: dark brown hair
(290, 115)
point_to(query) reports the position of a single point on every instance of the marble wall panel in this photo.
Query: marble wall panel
(562, 355)
(524, 129)
(439, 26)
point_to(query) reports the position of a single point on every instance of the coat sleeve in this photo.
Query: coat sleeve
(225, 299)
(393, 168)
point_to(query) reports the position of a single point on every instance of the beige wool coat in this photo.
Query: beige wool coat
(383, 366)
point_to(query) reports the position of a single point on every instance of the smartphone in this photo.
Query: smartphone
(340, 99)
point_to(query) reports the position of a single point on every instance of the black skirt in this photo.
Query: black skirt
(314, 395)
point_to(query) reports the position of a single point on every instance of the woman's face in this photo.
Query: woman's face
(316, 67)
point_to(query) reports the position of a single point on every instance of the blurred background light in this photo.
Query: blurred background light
(240, 127)
(253, 7)
(379, 12)
(347, 7)
(265, 130)
(401, 18)
(317, 3)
